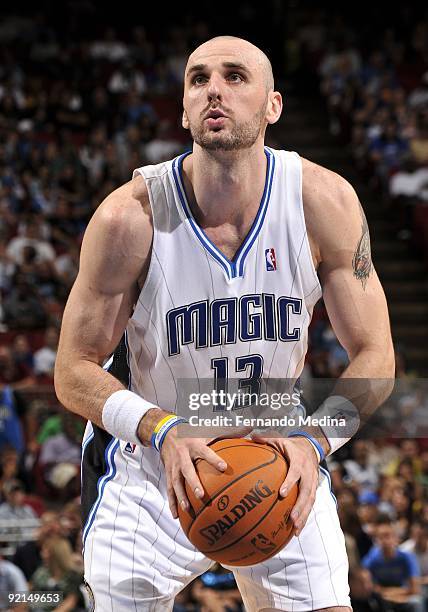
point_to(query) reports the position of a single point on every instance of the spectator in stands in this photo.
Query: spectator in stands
(109, 47)
(163, 146)
(216, 591)
(15, 508)
(44, 358)
(60, 458)
(31, 237)
(368, 513)
(387, 486)
(69, 113)
(93, 158)
(23, 308)
(66, 268)
(419, 143)
(419, 547)
(418, 98)
(353, 528)
(9, 464)
(384, 452)
(411, 488)
(359, 468)
(135, 108)
(364, 597)
(11, 433)
(409, 449)
(58, 573)
(408, 186)
(12, 373)
(126, 77)
(401, 512)
(28, 555)
(422, 478)
(16, 516)
(394, 572)
(62, 226)
(22, 354)
(12, 580)
(7, 268)
(388, 151)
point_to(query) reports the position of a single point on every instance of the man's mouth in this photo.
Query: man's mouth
(215, 118)
(214, 114)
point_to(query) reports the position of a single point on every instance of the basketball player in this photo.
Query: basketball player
(170, 264)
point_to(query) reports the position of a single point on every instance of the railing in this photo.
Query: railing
(16, 531)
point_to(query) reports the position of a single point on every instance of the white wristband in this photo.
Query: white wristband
(122, 414)
(340, 421)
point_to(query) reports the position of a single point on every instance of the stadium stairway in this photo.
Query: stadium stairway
(304, 128)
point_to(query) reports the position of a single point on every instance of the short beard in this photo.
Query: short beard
(241, 137)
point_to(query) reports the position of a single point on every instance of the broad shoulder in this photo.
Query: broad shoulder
(330, 204)
(124, 219)
(325, 191)
(118, 238)
(128, 202)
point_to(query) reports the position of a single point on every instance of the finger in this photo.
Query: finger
(293, 476)
(303, 518)
(274, 442)
(172, 500)
(189, 473)
(207, 453)
(303, 505)
(179, 490)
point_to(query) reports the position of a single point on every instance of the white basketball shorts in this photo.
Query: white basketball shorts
(137, 557)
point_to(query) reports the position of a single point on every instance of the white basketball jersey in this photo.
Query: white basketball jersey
(200, 315)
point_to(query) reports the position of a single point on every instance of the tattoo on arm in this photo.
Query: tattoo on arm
(362, 261)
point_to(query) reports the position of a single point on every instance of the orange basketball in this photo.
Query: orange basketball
(241, 520)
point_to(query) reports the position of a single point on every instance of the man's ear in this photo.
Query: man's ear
(185, 121)
(274, 107)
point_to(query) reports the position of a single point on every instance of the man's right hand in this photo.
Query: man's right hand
(178, 455)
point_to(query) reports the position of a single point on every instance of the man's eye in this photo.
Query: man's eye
(199, 79)
(235, 76)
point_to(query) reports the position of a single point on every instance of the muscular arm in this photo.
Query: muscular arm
(355, 302)
(114, 257)
(114, 253)
(353, 295)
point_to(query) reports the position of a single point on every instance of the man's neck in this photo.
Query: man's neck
(225, 187)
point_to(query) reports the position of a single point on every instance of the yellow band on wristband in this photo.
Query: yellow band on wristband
(162, 421)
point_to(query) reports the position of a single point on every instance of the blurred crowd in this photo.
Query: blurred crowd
(77, 115)
(376, 90)
(65, 144)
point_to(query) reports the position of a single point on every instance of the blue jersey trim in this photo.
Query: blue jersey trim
(233, 268)
(261, 214)
(102, 481)
(108, 455)
(86, 442)
(203, 238)
(327, 473)
(84, 445)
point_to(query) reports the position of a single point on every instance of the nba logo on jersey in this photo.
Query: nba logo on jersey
(270, 258)
(130, 448)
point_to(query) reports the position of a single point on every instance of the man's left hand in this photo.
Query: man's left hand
(302, 469)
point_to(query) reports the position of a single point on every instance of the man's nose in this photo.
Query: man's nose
(214, 87)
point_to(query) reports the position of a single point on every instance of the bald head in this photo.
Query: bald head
(242, 47)
(231, 77)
